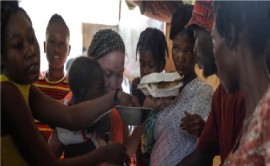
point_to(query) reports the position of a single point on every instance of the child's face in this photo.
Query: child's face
(147, 63)
(21, 56)
(57, 45)
(95, 92)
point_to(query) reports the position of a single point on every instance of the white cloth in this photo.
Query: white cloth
(173, 144)
(75, 137)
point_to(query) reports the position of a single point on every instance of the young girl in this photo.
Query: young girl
(83, 87)
(53, 82)
(22, 143)
(152, 50)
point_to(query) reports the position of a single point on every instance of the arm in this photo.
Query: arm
(23, 130)
(78, 116)
(197, 158)
(137, 92)
(208, 145)
(194, 123)
(134, 140)
(56, 145)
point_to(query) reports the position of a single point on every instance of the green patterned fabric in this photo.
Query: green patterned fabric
(147, 138)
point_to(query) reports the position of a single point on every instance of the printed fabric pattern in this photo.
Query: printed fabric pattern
(254, 146)
(173, 144)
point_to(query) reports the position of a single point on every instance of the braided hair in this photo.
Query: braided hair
(105, 41)
(154, 40)
(56, 18)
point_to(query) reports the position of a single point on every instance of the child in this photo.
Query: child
(83, 87)
(21, 142)
(152, 49)
(53, 82)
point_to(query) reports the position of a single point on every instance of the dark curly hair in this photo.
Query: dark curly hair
(179, 20)
(78, 82)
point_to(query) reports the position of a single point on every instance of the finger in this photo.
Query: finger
(135, 101)
(194, 130)
(126, 160)
(184, 120)
(187, 114)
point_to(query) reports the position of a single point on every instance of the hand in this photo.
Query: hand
(150, 102)
(125, 99)
(116, 154)
(192, 124)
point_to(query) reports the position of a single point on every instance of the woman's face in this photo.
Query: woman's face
(112, 65)
(183, 56)
(147, 63)
(21, 56)
(226, 61)
(203, 49)
(57, 46)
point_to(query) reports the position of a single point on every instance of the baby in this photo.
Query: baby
(86, 82)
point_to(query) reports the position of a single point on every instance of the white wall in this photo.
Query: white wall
(74, 13)
(106, 12)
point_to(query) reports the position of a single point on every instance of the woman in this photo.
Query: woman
(241, 40)
(171, 143)
(21, 142)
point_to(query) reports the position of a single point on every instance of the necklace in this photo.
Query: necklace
(54, 82)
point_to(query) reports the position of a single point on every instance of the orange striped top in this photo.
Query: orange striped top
(55, 90)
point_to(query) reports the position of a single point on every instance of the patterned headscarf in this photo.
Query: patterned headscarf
(202, 15)
(105, 41)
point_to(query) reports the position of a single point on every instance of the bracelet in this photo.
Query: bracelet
(115, 96)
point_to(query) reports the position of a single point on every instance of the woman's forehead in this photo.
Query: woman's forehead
(18, 23)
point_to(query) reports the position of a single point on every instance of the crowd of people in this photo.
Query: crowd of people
(53, 118)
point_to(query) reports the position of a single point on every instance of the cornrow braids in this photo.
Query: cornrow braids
(8, 8)
(105, 41)
(56, 18)
(154, 40)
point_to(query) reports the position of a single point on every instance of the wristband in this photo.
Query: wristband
(115, 96)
